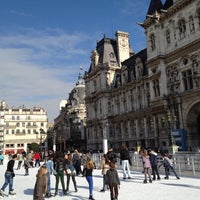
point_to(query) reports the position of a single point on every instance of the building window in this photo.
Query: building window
(29, 131)
(18, 124)
(152, 40)
(23, 124)
(13, 117)
(187, 79)
(24, 131)
(18, 118)
(7, 132)
(17, 131)
(13, 131)
(42, 124)
(182, 29)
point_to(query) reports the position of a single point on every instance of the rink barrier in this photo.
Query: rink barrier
(184, 164)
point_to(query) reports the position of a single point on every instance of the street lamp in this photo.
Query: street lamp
(105, 137)
(54, 140)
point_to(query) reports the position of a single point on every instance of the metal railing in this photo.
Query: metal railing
(184, 164)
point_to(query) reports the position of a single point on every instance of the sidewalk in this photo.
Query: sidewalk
(185, 188)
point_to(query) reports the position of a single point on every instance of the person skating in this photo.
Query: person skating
(50, 170)
(26, 166)
(70, 172)
(89, 170)
(125, 160)
(9, 175)
(113, 182)
(154, 164)
(147, 166)
(41, 184)
(168, 165)
(105, 166)
(60, 167)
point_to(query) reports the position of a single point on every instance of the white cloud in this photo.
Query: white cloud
(36, 69)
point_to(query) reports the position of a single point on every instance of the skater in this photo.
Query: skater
(9, 174)
(76, 158)
(37, 159)
(60, 167)
(113, 181)
(105, 166)
(50, 170)
(41, 184)
(26, 166)
(70, 172)
(20, 160)
(89, 169)
(125, 160)
(147, 166)
(168, 165)
(154, 164)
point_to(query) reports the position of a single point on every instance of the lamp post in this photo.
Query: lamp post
(54, 140)
(105, 137)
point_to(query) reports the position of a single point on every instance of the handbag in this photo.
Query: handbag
(69, 171)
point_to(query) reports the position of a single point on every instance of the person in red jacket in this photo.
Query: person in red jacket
(37, 158)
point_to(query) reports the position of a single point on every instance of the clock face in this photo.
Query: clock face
(123, 42)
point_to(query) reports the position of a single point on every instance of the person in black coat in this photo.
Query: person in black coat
(154, 162)
(112, 157)
(9, 174)
(125, 160)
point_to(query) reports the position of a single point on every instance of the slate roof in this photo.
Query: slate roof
(155, 5)
(168, 4)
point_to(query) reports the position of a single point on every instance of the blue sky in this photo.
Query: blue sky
(43, 43)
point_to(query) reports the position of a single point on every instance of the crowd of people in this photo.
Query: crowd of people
(71, 164)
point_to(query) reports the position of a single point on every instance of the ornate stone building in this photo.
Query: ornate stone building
(19, 127)
(69, 126)
(150, 98)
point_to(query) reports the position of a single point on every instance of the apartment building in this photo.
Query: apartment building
(19, 127)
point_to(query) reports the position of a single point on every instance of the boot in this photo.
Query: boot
(2, 193)
(91, 198)
(12, 193)
(150, 181)
(145, 181)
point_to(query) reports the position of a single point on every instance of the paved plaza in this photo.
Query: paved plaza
(185, 188)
